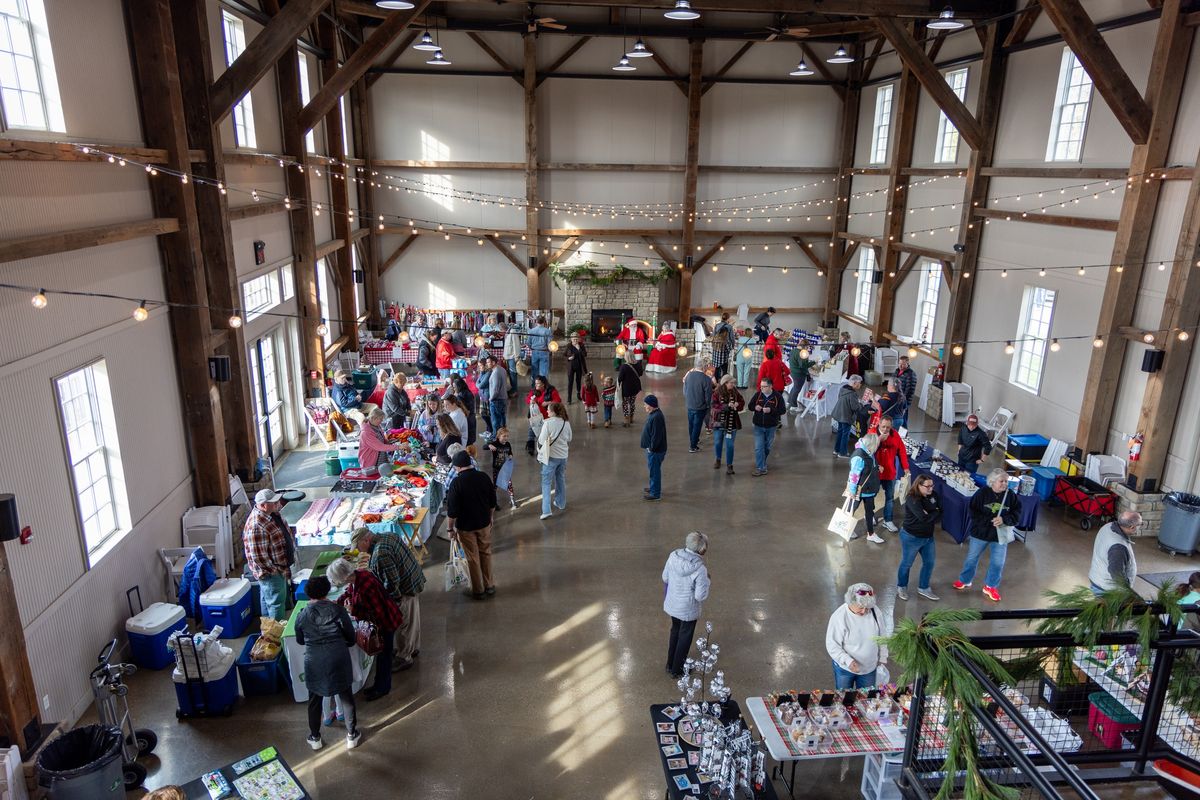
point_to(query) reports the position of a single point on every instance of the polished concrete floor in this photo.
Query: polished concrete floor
(543, 691)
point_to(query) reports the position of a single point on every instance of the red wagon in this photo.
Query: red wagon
(1095, 503)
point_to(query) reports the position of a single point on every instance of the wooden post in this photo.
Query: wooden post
(339, 191)
(304, 245)
(975, 191)
(361, 132)
(1172, 49)
(216, 237)
(843, 185)
(156, 70)
(532, 283)
(690, 176)
(897, 198)
(20, 722)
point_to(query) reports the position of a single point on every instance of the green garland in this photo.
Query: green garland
(590, 271)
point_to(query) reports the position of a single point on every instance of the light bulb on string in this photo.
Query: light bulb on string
(957, 349)
(39, 300)
(480, 341)
(804, 352)
(856, 351)
(747, 352)
(620, 349)
(140, 313)
(912, 352)
(1183, 336)
(235, 321)
(1097, 343)
(322, 328)
(1148, 337)
(682, 351)
(404, 336)
(1055, 346)
(1009, 349)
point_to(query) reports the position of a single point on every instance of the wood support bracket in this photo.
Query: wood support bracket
(712, 251)
(492, 54)
(397, 253)
(564, 58)
(508, 253)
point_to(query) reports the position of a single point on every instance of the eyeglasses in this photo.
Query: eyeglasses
(864, 592)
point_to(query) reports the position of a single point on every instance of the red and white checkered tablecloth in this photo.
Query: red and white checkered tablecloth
(863, 736)
(407, 354)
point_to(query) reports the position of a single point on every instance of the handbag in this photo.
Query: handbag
(455, 572)
(1005, 534)
(367, 637)
(522, 367)
(902, 487)
(843, 521)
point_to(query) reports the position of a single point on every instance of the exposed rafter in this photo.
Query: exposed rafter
(564, 58)
(736, 57)
(494, 56)
(1024, 23)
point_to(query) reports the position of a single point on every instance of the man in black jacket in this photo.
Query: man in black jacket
(907, 380)
(470, 504)
(654, 442)
(768, 406)
(426, 361)
(973, 445)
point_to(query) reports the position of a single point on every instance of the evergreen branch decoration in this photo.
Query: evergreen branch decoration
(1117, 609)
(591, 272)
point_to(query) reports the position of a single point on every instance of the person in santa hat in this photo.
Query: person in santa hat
(663, 355)
(633, 336)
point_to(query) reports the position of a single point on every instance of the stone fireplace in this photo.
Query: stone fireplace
(631, 296)
(607, 323)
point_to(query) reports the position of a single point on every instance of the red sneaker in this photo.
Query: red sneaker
(991, 593)
(959, 585)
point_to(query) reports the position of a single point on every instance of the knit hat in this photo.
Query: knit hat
(461, 459)
(651, 401)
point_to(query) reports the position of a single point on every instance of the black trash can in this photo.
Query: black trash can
(1180, 530)
(83, 764)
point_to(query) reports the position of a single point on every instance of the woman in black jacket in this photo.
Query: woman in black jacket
(426, 355)
(992, 508)
(631, 386)
(922, 511)
(576, 367)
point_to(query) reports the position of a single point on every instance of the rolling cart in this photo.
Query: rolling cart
(112, 708)
(1096, 504)
(206, 683)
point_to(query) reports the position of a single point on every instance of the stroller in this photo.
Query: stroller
(112, 707)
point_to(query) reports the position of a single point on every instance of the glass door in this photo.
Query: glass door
(268, 404)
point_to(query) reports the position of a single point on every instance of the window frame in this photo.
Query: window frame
(41, 54)
(1032, 346)
(242, 114)
(274, 412)
(310, 136)
(927, 307)
(103, 416)
(945, 150)
(881, 127)
(324, 298)
(864, 289)
(1069, 66)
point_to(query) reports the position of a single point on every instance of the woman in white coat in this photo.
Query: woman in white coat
(851, 636)
(687, 580)
(553, 447)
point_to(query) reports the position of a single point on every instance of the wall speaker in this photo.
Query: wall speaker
(1152, 360)
(10, 526)
(359, 276)
(877, 276)
(1150, 485)
(218, 368)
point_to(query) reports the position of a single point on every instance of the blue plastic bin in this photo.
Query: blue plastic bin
(1043, 481)
(1027, 446)
(210, 697)
(258, 677)
(227, 603)
(148, 633)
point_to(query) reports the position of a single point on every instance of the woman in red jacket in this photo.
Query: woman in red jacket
(891, 448)
(445, 355)
(773, 369)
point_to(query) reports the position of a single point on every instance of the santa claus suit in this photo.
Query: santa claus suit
(663, 355)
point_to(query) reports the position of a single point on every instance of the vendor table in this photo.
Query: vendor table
(406, 353)
(331, 520)
(730, 711)
(260, 776)
(956, 513)
(863, 738)
(416, 391)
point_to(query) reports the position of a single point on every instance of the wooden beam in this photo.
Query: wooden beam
(1046, 219)
(1102, 66)
(29, 150)
(927, 252)
(871, 59)
(668, 259)
(359, 233)
(20, 723)
(1066, 173)
(336, 346)
(680, 83)
(712, 251)
(356, 65)
(46, 244)
(1024, 23)
(736, 57)
(449, 165)
(492, 54)
(975, 194)
(848, 253)
(533, 284)
(256, 210)
(692, 172)
(915, 58)
(391, 58)
(848, 130)
(397, 253)
(806, 249)
(360, 131)
(564, 58)
(327, 248)
(938, 41)
(818, 63)
(261, 53)
(516, 262)
(917, 9)
(568, 246)
(1164, 86)
(339, 192)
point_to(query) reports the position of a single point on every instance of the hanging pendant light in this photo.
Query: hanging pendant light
(639, 50)
(840, 56)
(682, 10)
(945, 21)
(623, 65)
(394, 5)
(439, 59)
(425, 43)
(801, 70)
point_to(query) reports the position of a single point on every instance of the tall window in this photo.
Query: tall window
(947, 138)
(323, 294)
(265, 377)
(260, 294)
(28, 84)
(1071, 104)
(1033, 331)
(310, 139)
(927, 301)
(883, 124)
(346, 143)
(243, 112)
(866, 283)
(94, 457)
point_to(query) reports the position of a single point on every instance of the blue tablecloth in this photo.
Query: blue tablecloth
(956, 512)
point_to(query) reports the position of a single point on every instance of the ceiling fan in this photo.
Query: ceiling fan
(798, 32)
(532, 22)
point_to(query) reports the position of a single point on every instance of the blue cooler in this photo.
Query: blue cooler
(259, 677)
(148, 633)
(1043, 480)
(215, 695)
(227, 603)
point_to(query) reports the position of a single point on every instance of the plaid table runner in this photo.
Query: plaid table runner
(860, 738)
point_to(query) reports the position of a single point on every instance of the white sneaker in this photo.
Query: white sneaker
(889, 525)
(928, 594)
(315, 743)
(546, 516)
(901, 592)
(875, 538)
(352, 739)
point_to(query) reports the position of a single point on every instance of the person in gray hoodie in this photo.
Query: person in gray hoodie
(844, 412)
(687, 582)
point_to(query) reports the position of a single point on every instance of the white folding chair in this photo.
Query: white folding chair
(998, 427)
(811, 401)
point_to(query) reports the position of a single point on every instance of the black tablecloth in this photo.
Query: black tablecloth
(730, 711)
(194, 790)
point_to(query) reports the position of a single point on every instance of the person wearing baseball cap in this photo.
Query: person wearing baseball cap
(268, 552)
(973, 445)
(654, 442)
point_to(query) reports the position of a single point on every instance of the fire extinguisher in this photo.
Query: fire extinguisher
(941, 372)
(1135, 446)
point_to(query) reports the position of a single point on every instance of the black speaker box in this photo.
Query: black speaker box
(218, 368)
(1152, 360)
(10, 526)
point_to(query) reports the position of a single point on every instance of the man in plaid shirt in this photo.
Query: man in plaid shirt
(267, 550)
(398, 569)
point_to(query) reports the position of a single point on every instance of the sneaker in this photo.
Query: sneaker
(875, 538)
(328, 721)
(959, 586)
(991, 593)
(901, 592)
(758, 472)
(693, 449)
(546, 516)
(315, 742)
(651, 497)
(887, 523)
(717, 464)
(928, 594)
(839, 455)
(729, 470)
(352, 739)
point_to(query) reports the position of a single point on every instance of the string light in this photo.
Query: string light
(1055, 346)
(39, 300)
(1183, 336)
(747, 352)
(1009, 349)
(1148, 337)
(912, 352)
(957, 349)
(235, 321)
(1097, 343)
(140, 313)
(322, 329)
(682, 351)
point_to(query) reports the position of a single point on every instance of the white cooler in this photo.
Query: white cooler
(227, 603)
(149, 631)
